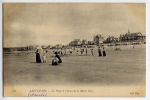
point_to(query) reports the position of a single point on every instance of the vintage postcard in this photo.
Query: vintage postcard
(74, 49)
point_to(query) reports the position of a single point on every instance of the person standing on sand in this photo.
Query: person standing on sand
(104, 52)
(44, 56)
(41, 53)
(81, 50)
(133, 45)
(99, 52)
(86, 50)
(65, 51)
(38, 58)
(92, 51)
(77, 52)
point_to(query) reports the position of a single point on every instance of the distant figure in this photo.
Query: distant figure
(77, 52)
(58, 52)
(92, 51)
(44, 56)
(86, 50)
(117, 49)
(58, 57)
(38, 58)
(41, 53)
(133, 46)
(82, 50)
(61, 52)
(65, 51)
(70, 52)
(104, 52)
(55, 61)
(99, 51)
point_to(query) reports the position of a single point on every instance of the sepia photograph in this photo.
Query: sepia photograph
(74, 49)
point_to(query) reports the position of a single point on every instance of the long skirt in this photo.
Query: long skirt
(100, 54)
(104, 53)
(38, 58)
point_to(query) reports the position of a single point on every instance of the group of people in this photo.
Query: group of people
(41, 56)
(101, 52)
(56, 60)
(85, 51)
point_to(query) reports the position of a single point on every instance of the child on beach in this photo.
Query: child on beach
(56, 60)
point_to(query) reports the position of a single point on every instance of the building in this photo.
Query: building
(84, 42)
(98, 39)
(132, 37)
(58, 46)
(11, 49)
(75, 42)
(90, 42)
(111, 39)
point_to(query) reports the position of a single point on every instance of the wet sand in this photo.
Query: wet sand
(125, 67)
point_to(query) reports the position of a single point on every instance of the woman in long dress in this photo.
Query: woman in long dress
(86, 50)
(38, 58)
(92, 51)
(41, 53)
(44, 56)
(99, 51)
(104, 52)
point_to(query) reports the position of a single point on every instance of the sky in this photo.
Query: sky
(59, 23)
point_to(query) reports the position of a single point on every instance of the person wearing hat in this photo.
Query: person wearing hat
(56, 59)
(38, 58)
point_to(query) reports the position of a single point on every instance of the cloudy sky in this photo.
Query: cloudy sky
(32, 24)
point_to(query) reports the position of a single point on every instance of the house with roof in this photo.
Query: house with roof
(132, 37)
